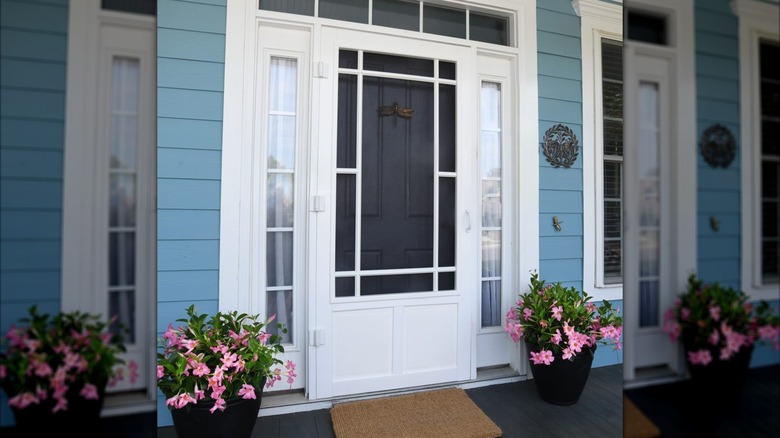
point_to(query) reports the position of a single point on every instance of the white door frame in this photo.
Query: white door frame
(96, 36)
(681, 220)
(235, 285)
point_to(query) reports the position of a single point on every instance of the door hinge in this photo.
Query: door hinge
(321, 70)
(317, 203)
(316, 337)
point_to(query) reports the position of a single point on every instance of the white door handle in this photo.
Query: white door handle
(467, 220)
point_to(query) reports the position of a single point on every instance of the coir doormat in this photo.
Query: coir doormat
(635, 423)
(446, 413)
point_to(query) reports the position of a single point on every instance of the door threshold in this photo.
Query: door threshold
(651, 376)
(296, 401)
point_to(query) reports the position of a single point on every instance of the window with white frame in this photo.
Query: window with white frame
(769, 88)
(759, 40)
(109, 186)
(280, 171)
(610, 247)
(490, 175)
(602, 101)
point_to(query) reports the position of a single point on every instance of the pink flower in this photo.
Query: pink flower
(41, 369)
(89, 392)
(216, 379)
(228, 360)
(567, 329)
(247, 391)
(172, 337)
(556, 312)
(527, 313)
(62, 405)
(22, 400)
(768, 332)
(714, 337)
(576, 343)
(218, 404)
(133, 367)
(217, 391)
(200, 369)
(715, 312)
(160, 371)
(542, 357)
(701, 357)
(515, 330)
(673, 330)
(511, 315)
(189, 345)
(179, 401)
(556, 338)
(263, 337)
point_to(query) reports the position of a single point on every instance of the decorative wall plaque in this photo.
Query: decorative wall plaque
(718, 146)
(560, 146)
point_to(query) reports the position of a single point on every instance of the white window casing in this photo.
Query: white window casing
(757, 21)
(599, 21)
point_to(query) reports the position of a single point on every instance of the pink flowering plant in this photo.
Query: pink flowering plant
(211, 359)
(51, 361)
(557, 321)
(715, 322)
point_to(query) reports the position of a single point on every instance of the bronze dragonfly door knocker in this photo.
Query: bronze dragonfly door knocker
(395, 110)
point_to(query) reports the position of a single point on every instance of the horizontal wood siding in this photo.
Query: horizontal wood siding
(561, 189)
(560, 101)
(190, 75)
(717, 101)
(33, 53)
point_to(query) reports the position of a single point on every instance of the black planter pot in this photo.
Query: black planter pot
(82, 417)
(720, 382)
(562, 382)
(236, 421)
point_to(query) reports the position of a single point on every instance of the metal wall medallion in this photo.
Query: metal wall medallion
(560, 146)
(718, 146)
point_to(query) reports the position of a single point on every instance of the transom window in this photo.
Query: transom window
(401, 14)
(647, 28)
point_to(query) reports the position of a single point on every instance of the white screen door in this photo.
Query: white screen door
(395, 277)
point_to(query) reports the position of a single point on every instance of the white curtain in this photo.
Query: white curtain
(282, 123)
(123, 139)
(650, 196)
(491, 167)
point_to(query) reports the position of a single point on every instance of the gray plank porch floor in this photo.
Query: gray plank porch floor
(514, 407)
(518, 411)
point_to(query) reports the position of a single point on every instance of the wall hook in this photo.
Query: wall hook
(557, 223)
(714, 224)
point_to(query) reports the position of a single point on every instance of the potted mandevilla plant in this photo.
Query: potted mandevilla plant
(719, 327)
(212, 371)
(561, 328)
(55, 369)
